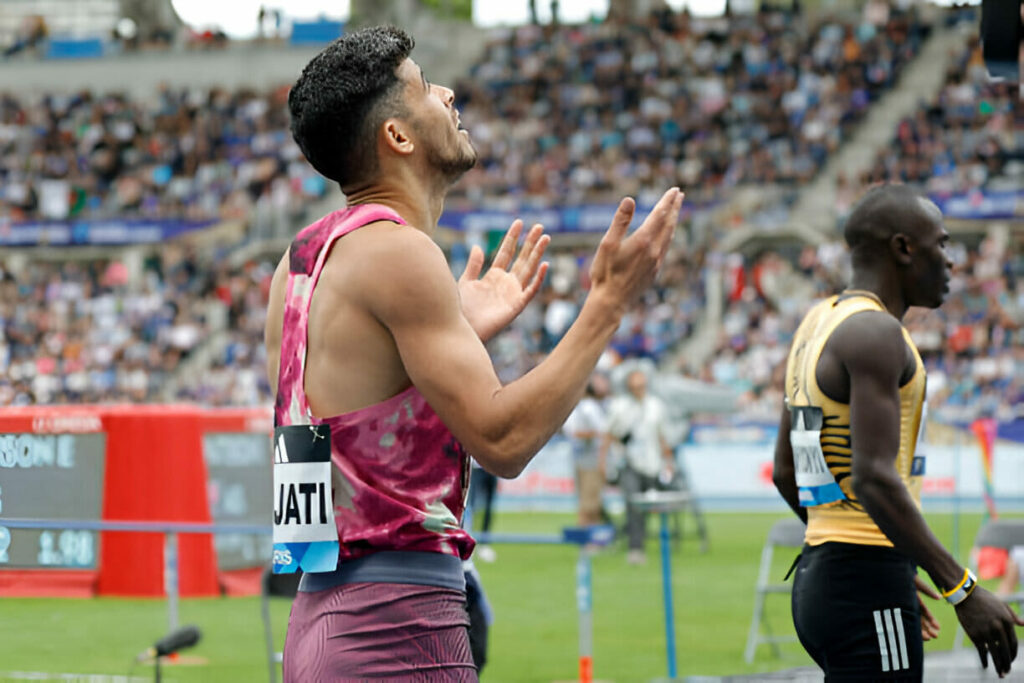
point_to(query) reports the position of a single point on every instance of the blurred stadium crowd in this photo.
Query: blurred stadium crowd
(564, 114)
(187, 154)
(594, 111)
(968, 138)
(972, 347)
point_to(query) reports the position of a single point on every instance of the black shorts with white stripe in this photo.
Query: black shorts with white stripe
(856, 612)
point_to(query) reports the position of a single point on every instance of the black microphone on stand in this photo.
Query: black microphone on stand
(186, 636)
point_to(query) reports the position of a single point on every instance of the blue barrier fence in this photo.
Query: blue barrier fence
(170, 530)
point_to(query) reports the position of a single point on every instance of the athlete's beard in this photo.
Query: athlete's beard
(453, 165)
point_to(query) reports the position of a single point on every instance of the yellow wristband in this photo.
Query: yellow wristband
(961, 592)
(967, 573)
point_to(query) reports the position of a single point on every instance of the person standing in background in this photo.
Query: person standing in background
(482, 487)
(638, 421)
(585, 428)
(1013, 577)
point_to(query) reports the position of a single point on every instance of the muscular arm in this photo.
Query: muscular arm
(504, 426)
(783, 472)
(872, 348)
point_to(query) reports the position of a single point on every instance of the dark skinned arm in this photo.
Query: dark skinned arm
(783, 472)
(875, 438)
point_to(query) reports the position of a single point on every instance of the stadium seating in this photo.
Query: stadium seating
(186, 154)
(965, 139)
(743, 113)
(157, 157)
(581, 112)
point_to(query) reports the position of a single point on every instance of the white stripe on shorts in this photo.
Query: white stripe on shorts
(892, 640)
(894, 650)
(881, 640)
(898, 617)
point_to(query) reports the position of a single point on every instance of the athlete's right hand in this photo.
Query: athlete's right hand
(929, 624)
(624, 266)
(989, 623)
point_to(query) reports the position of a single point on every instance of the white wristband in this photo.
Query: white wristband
(965, 589)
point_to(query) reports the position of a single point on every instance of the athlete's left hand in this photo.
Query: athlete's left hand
(493, 301)
(929, 624)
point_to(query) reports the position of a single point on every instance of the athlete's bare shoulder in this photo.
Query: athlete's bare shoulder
(385, 265)
(381, 247)
(870, 342)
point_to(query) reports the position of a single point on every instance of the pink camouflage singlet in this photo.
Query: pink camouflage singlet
(395, 606)
(400, 477)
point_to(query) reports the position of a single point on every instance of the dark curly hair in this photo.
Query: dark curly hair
(343, 95)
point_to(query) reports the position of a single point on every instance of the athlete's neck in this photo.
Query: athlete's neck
(874, 282)
(419, 205)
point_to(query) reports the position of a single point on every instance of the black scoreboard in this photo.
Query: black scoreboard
(239, 489)
(51, 476)
(53, 466)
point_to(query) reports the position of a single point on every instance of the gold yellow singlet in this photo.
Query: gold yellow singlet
(844, 520)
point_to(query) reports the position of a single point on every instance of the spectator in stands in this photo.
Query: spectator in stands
(622, 107)
(966, 139)
(187, 155)
(572, 112)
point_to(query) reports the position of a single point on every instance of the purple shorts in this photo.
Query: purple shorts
(381, 631)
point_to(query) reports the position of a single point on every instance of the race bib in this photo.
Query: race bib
(815, 481)
(304, 532)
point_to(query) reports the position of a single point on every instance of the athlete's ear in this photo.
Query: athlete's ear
(902, 248)
(395, 135)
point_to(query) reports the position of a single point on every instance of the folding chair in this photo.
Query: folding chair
(275, 585)
(997, 533)
(786, 533)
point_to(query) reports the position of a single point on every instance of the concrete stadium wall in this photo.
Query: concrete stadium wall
(139, 74)
(444, 54)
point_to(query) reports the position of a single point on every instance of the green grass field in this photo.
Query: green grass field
(532, 590)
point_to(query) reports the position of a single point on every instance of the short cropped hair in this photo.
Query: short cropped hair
(882, 212)
(343, 95)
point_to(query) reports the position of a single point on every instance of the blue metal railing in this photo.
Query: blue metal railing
(170, 530)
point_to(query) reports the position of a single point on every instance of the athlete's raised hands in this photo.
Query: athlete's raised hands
(624, 266)
(493, 301)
